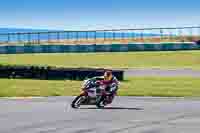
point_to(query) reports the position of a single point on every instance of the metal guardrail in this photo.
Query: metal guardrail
(113, 36)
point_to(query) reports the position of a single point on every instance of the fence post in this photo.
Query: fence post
(38, 37)
(29, 38)
(58, 36)
(77, 37)
(114, 37)
(198, 34)
(48, 37)
(18, 37)
(142, 36)
(122, 35)
(8, 37)
(95, 37)
(161, 35)
(104, 36)
(180, 34)
(87, 35)
(68, 37)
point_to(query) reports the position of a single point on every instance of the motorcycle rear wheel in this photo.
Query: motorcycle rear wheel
(100, 102)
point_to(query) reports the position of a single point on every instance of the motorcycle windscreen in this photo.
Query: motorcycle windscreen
(92, 92)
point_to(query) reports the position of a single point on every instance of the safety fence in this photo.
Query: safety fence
(113, 36)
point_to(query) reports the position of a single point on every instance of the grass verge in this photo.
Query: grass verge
(135, 86)
(163, 60)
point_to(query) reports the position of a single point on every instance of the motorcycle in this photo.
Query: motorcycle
(93, 95)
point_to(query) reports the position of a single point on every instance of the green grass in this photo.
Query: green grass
(170, 59)
(135, 86)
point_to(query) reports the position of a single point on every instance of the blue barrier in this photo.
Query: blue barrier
(97, 48)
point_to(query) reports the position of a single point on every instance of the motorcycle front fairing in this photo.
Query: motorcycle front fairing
(92, 94)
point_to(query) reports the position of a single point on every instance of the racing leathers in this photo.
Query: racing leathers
(111, 86)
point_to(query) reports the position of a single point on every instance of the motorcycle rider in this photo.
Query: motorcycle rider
(107, 82)
(108, 79)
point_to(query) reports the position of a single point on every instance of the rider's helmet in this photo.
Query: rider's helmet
(108, 75)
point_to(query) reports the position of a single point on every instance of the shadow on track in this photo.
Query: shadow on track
(114, 108)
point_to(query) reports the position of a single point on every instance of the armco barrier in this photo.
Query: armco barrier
(52, 73)
(97, 48)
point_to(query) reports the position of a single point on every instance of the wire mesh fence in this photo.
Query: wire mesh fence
(113, 36)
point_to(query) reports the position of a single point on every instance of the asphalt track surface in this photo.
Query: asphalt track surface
(162, 72)
(125, 115)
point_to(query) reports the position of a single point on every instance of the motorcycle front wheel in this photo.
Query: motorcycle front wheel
(77, 101)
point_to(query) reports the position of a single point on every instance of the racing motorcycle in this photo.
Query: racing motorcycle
(93, 95)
